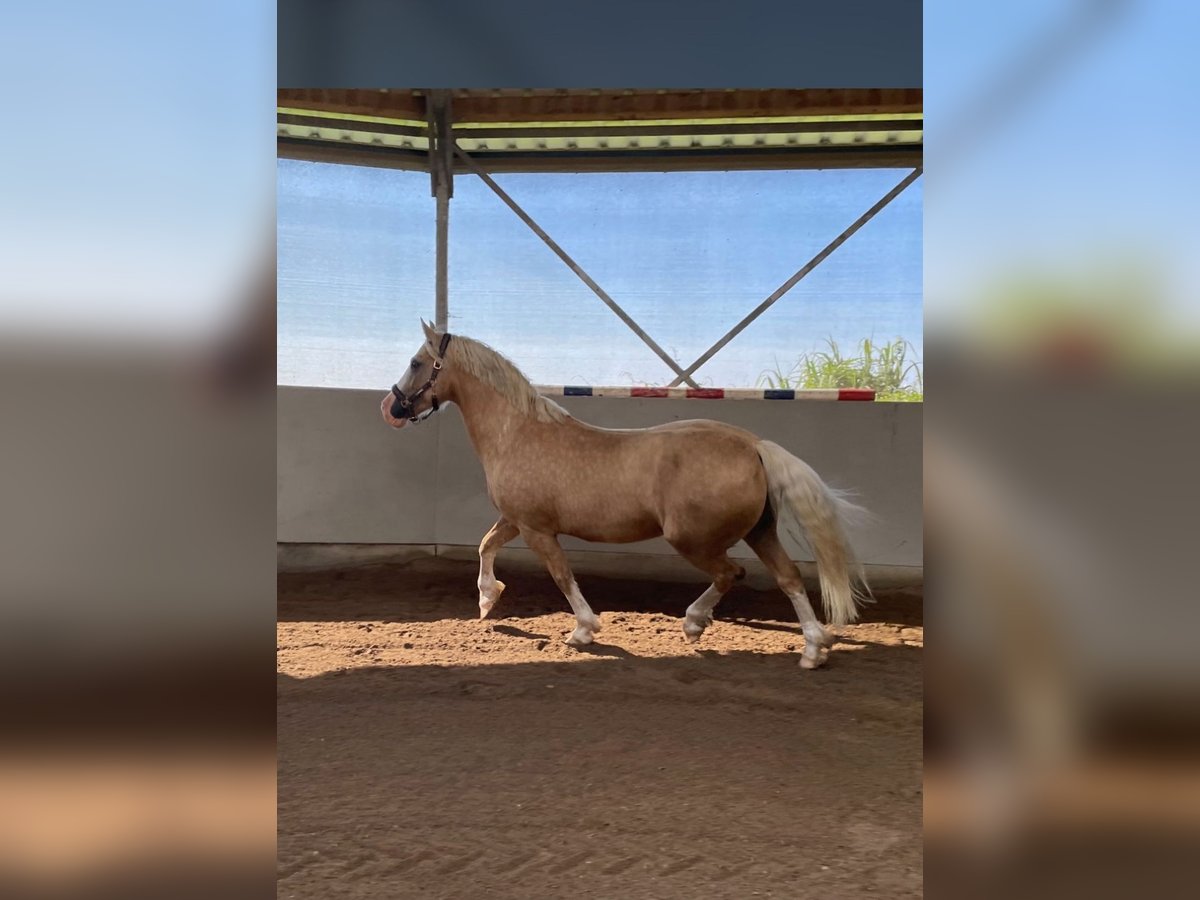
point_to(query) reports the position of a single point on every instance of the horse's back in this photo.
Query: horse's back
(619, 485)
(699, 428)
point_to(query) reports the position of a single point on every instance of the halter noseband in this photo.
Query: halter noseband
(402, 406)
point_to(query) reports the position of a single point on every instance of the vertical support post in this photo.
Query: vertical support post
(441, 175)
(441, 286)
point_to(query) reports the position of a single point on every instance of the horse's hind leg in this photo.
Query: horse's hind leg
(765, 543)
(724, 573)
(546, 546)
(489, 588)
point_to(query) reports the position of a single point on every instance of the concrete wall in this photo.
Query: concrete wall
(344, 477)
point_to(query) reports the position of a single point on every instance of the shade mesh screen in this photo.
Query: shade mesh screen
(687, 255)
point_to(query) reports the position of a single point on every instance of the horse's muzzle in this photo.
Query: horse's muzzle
(393, 411)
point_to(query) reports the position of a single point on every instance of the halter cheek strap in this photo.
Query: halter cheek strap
(403, 405)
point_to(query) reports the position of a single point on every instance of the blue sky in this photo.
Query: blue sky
(1093, 167)
(686, 254)
(137, 186)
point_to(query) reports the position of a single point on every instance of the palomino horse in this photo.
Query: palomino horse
(702, 485)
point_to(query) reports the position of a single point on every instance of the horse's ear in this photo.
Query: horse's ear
(430, 334)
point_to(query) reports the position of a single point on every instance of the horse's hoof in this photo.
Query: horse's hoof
(486, 603)
(694, 626)
(808, 662)
(579, 640)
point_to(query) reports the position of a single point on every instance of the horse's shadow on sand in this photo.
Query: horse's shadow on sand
(393, 594)
(511, 631)
(594, 649)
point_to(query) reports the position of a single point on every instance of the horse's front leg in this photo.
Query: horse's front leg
(546, 546)
(489, 588)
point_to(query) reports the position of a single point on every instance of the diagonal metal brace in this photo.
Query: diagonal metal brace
(862, 220)
(575, 267)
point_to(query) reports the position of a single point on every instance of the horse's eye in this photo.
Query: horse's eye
(416, 364)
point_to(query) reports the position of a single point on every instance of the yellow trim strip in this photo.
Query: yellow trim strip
(746, 120)
(689, 142)
(349, 117)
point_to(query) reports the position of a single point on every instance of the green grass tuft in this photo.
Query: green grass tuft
(884, 367)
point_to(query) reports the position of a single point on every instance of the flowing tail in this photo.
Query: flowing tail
(822, 513)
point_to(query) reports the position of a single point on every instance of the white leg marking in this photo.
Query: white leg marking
(587, 622)
(489, 588)
(816, 639)
(489, 591)
(699, 614)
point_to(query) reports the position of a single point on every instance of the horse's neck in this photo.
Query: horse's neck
(492, 422)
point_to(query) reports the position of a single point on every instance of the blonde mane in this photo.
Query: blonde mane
(482, 362)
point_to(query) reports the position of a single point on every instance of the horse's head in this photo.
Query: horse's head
(414, 396)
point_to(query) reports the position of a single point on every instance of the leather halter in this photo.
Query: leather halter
(403, 405)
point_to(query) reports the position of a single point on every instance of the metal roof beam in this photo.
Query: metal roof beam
(704, 159)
